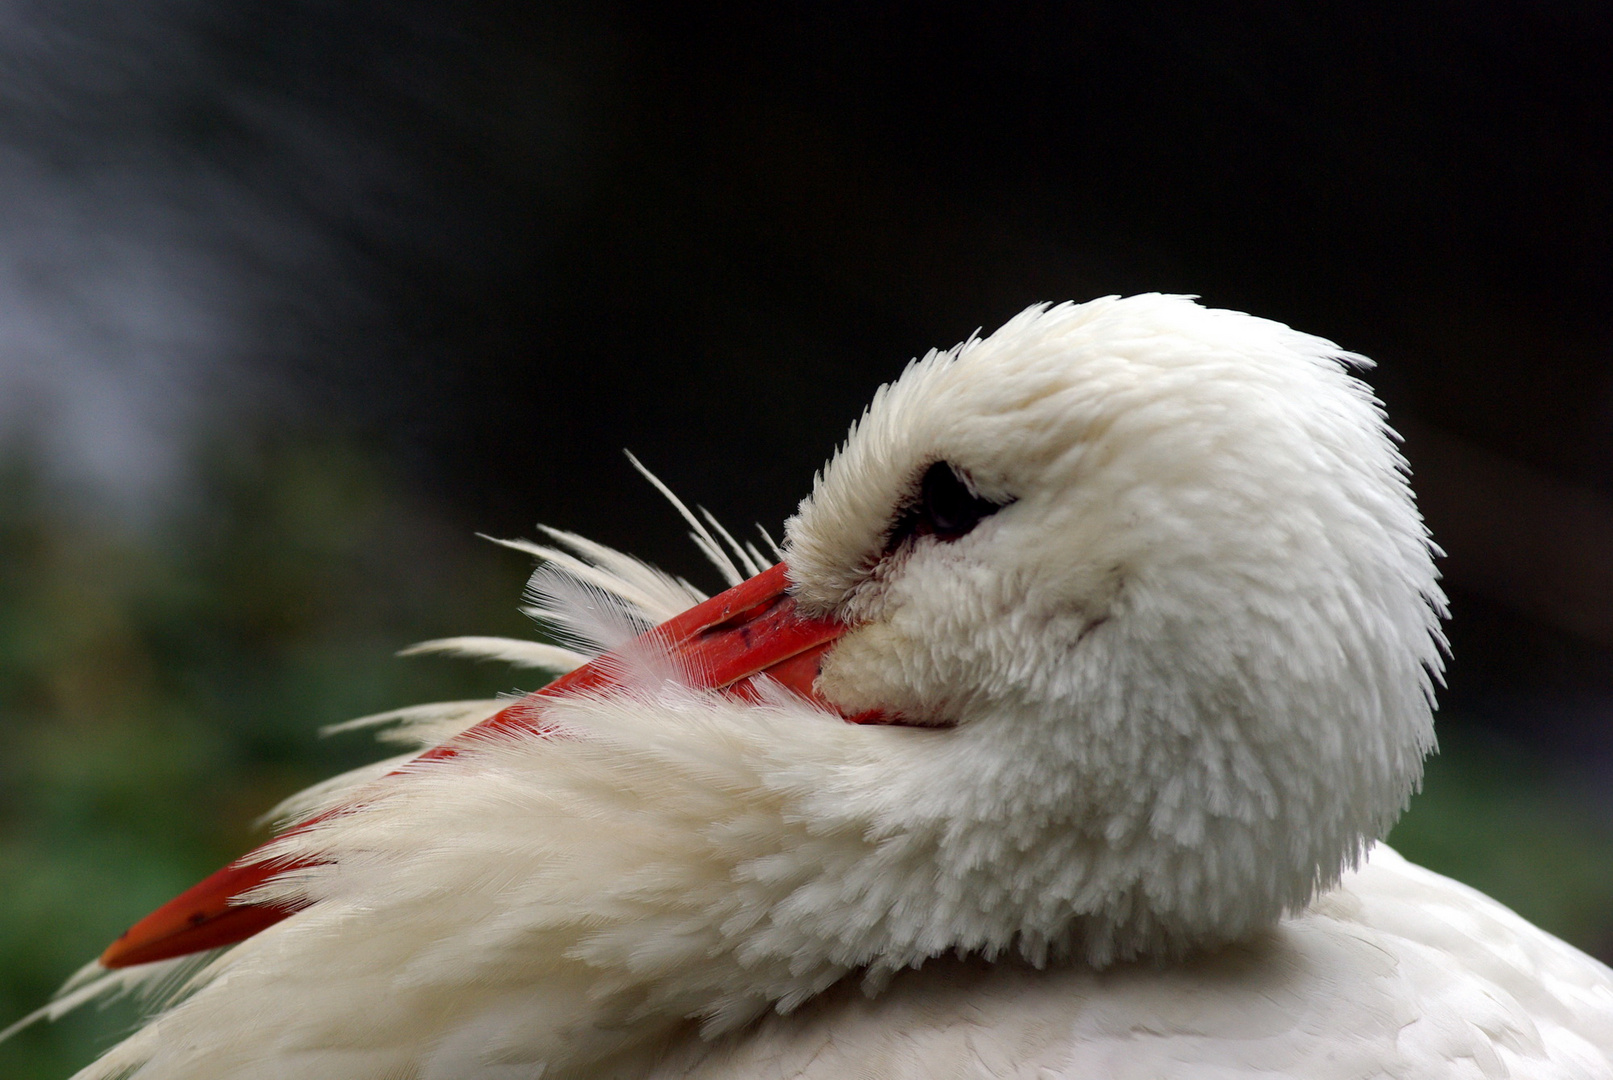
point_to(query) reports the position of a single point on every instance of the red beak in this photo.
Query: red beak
(725, 643)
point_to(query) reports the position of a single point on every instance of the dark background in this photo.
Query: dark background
(298, 296)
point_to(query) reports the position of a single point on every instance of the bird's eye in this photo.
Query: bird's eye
(946, 505)
(945, 508)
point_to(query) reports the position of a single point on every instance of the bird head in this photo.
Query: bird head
(1158, 570)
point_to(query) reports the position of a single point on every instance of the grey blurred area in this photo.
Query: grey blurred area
(296, 297)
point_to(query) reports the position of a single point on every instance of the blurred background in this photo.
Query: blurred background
(296, 297)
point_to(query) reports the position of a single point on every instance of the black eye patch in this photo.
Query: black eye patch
(945, 508)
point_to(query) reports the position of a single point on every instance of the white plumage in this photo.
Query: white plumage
(1163, 671)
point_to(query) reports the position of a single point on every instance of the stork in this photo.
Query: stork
(1059, 743)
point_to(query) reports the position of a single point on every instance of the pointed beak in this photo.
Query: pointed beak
(728, 643)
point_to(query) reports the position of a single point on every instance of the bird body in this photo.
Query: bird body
(1138, 628)
(1398, 972)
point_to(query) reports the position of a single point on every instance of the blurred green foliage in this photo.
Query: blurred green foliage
(160, 687)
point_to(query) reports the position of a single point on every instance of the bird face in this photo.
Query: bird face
(1077, 476)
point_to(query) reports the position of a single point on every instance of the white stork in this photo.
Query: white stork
(1137, 626)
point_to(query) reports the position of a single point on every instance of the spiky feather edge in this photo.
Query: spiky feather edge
(160, 983)
(525, 654)
(642, 590)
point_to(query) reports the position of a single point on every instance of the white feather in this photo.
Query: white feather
(657, 594)
(702, 537)
(1398, 972)
(746, 557)
(1188, 673)
(420, 725)
(642, 596)
(527, 654)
